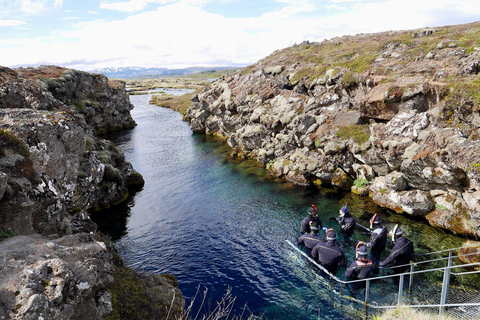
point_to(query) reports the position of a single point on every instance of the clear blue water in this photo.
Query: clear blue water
(216, 222)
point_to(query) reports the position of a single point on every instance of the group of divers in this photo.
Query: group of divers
(327, 253)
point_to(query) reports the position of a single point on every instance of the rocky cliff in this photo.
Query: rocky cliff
(55, 169)
(392, 115)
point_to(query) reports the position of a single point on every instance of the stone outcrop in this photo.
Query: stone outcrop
(397, 109)
(53, 166)
(67, 278)
(54, 170)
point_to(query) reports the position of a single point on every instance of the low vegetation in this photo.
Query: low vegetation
(6, 234)
(177, 103)
(8, 140)
(356, 132)
(360, 183)
(407, 313)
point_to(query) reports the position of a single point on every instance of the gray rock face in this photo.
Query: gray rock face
(394, 125)
(54, 165)
(65, 278)
(39, 275)
(53, 169)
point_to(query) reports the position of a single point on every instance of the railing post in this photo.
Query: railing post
(400, 289)
(367, 291)
(410, 282)
(445, 283)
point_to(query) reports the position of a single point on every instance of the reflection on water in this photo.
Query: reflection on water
(213, 221)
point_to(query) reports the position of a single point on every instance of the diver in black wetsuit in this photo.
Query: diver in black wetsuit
(378, 239)
(401, 252)
(361, 268)
(312, 216)
(328, 254)
(347, 223)
(312, 238)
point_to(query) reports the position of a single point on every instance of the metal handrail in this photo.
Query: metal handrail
(376, 277)
(447, 250)
(445, 283)
(433, 260)
(428, 305)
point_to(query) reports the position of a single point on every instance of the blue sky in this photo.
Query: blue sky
(88, 34)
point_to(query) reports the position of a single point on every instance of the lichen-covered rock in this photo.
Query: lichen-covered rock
(372, 111)
(54, 168)
(396, 181)
(68, 278)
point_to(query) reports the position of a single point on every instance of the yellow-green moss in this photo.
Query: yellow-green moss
(354, 131)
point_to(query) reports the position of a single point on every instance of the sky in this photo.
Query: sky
(91, 34)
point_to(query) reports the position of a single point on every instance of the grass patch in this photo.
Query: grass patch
(177, 103)
(461, 92)
(8, 140)
(354, 131)
(360, 183)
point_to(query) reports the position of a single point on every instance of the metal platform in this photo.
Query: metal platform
(438, 282)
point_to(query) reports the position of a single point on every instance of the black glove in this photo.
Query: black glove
(332, 218)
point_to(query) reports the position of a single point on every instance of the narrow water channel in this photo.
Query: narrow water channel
(217, 223)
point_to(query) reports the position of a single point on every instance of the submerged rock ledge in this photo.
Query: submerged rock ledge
(394, 115)
(54, 170)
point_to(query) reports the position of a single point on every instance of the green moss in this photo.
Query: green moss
(383, 190)
(6, 234)
(8, 140)
(474, 166)
(45, 283)
(354, 131)
(360, 183)
(440, 207)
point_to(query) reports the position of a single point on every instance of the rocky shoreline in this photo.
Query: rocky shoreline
(393, 115)
(54, 169)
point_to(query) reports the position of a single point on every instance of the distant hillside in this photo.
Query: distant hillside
(137, 72)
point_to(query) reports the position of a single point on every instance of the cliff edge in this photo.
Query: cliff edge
(393, 115)
(54, 169)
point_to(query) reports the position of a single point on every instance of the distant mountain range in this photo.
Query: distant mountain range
(137, 72)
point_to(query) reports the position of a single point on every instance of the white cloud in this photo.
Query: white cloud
(11, 23)
(22, 8)
(131, 5)
(184, 34)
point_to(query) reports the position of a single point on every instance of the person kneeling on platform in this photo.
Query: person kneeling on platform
(328, 254)
(312, 238)
(361, 268)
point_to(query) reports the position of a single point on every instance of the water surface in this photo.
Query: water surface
(215, 222)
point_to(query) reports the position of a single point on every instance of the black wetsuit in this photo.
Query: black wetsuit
(310, 240)
(305, 227)
(329, 255)
(359, 269)
(377, 243)
(347, 224)
(400, 255)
